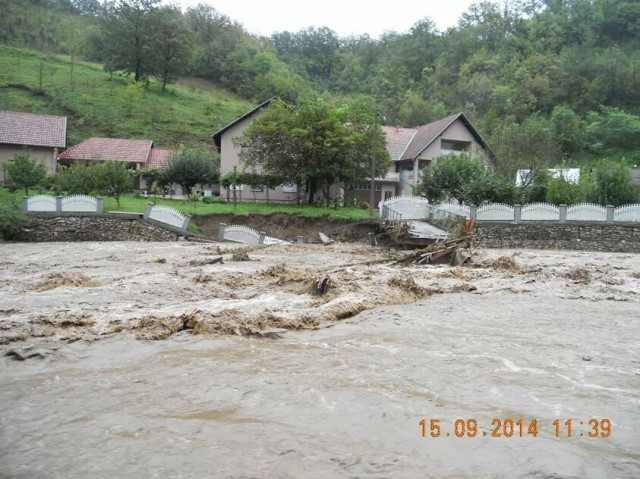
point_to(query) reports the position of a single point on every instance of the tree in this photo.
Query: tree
(130, 38)
(315, 144)
(529, 145)
(112, 178)
(450, 178)
(173, 44)
(77, 179)
(567, 129)
(561, 191)
(22, 172)
(614, 131)
(613, 185)
(191, 167)
(12, 220)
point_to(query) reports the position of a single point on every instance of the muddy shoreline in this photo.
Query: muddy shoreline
(290, 227)
(62, 292)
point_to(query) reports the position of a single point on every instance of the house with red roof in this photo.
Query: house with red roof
(137, 154)
(413, 149)
(41, 136)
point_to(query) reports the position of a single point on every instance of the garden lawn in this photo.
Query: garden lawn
(133, 204)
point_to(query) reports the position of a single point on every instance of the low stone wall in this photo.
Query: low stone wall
(45, 227)
(589, 236)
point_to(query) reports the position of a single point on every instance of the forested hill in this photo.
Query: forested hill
(543, 80)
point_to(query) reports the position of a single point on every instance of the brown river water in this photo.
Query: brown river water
(344, 401)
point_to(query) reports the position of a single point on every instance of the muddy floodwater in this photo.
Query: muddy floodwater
(114, 363)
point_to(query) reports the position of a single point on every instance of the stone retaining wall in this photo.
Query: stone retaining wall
(44, 227)
(589, 236)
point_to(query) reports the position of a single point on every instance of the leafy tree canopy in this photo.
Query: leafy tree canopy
(315, 144)
(192, 167)
(22, 172)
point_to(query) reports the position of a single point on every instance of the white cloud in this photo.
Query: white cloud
(343, 16)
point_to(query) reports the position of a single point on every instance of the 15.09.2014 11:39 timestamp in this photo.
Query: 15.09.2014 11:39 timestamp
(517, 428)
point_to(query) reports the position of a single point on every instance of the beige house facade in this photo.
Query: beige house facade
(230, 161)
(40, 136)
(411, 150)
(414, 149)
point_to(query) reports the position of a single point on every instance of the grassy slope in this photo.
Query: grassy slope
(188, 112)
(138, 205)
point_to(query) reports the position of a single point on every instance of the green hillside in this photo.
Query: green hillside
(98, 104)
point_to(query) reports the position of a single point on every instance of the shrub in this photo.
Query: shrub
(613, 185)
(12, 220)
(22, 172)
(212, 199)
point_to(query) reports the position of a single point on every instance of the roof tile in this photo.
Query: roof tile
(110, 149)
(33, 130)
(398, 139)
(158, 158)
(426, 135)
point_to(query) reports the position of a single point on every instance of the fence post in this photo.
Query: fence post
(473, 212)
(430, 213)
(221, 230)
(610, 211)
(99, 205)
(517, 213)
(147, 213)
(261, 237)
(563, 213)
(25, 204)
(58, 204)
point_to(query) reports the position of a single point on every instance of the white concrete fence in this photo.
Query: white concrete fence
(402, 208)
(246, 235)
(90, 204)
(167, 215)
(60, 204)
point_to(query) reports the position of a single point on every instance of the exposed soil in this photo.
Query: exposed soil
(288, 227)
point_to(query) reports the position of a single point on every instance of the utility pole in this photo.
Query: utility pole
(374, 147)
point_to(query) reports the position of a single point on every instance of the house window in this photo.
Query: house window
(289, 188)
(448, 147)
(257, 189)
(362, 186)
(235, 187)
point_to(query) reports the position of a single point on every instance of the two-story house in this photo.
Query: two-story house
(411, 150)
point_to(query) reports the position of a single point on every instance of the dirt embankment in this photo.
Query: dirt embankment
(62, 292)
(288, 227)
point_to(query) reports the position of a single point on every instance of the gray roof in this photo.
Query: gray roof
(30, 129)
(409, 143)
(217, 136)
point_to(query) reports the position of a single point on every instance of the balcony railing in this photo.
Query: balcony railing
(387, 177)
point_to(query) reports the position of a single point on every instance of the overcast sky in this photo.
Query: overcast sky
(345, 17)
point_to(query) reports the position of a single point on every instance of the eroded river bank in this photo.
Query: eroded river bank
(531, 335)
